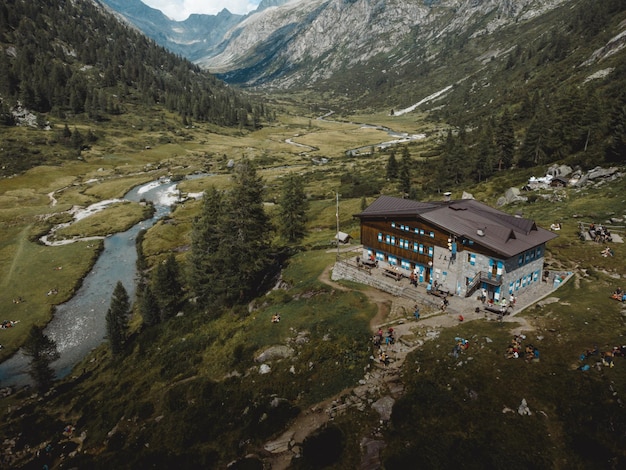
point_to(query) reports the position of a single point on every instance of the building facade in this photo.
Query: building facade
(463, 245)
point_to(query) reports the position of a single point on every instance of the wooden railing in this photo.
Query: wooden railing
(480, 277)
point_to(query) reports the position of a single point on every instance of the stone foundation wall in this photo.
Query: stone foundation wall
(344, 270)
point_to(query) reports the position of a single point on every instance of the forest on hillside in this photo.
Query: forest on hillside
(67, 58)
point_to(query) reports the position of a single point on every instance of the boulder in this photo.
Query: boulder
(383, 407)
(275, 352)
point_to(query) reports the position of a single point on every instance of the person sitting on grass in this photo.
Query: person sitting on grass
(607, 252)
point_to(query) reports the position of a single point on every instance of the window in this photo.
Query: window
(431, 234)
(393, 224)
(421, 249)
(421, 231)
(406, 244)
(415, 245)
(472, 259)
(520, 260)
(380, 237)
(393, 240)
(431, 251)
(538, 252)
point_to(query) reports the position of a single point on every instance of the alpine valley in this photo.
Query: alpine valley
(231, 153)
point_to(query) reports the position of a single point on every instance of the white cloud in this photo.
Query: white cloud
(180, 10)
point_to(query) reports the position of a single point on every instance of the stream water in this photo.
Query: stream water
(79, 324)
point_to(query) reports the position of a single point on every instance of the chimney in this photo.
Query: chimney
(446, 196)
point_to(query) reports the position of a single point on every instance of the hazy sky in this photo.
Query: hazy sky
(180, 9)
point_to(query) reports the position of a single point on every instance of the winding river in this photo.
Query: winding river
(79, 325)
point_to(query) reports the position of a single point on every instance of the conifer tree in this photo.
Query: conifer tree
(404, 173)
(392, 166)
(293, 207)
(42, 352)
(117, 318)
(167, 287)
(231, 242)
(149, 308)
(206, 237)
(245, 252)
(616, 148)
(505, 141)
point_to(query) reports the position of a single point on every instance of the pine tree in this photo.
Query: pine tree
(404, 174)
(117, 318)
(392, 166)
(533, 149)
(505, 141)
(293, 207)
(42, 352)
(167, 287)
(206, 237)
(149, 308)
(615, 151)
(231, 242)
(245, 251)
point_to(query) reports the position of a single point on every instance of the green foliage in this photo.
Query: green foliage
(64, 66)
(293, 207)
(167, 287)
(42, 351)
(230, 257)
(117, 318)
(392, 166)
(149, 307)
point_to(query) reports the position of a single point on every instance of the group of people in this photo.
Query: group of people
(381, 338)
(8, 324)
(606, 358)
(276, 318)
(515, 350)
(619, 294)
(599, 234)
(461, 345)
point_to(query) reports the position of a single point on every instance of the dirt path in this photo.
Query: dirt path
(280, 451)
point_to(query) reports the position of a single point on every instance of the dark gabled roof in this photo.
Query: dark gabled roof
(386, 206)
(503, 233)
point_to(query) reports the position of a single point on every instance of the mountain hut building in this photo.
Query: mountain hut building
(464, 245)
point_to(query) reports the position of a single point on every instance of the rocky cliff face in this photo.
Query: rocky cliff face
(309, 40)
(193, 38)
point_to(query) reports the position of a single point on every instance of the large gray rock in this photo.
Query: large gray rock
(599, 172)
(383, 407)
(275, 352)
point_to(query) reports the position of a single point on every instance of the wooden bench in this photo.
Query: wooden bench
(439, 292)
(392, 274)
(498, 309)
(370, 263)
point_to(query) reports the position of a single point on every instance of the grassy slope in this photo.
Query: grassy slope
(178, 370)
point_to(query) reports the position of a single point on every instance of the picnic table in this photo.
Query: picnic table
(372, 263)
(392, 273)
(499, 309)
(438, 292)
